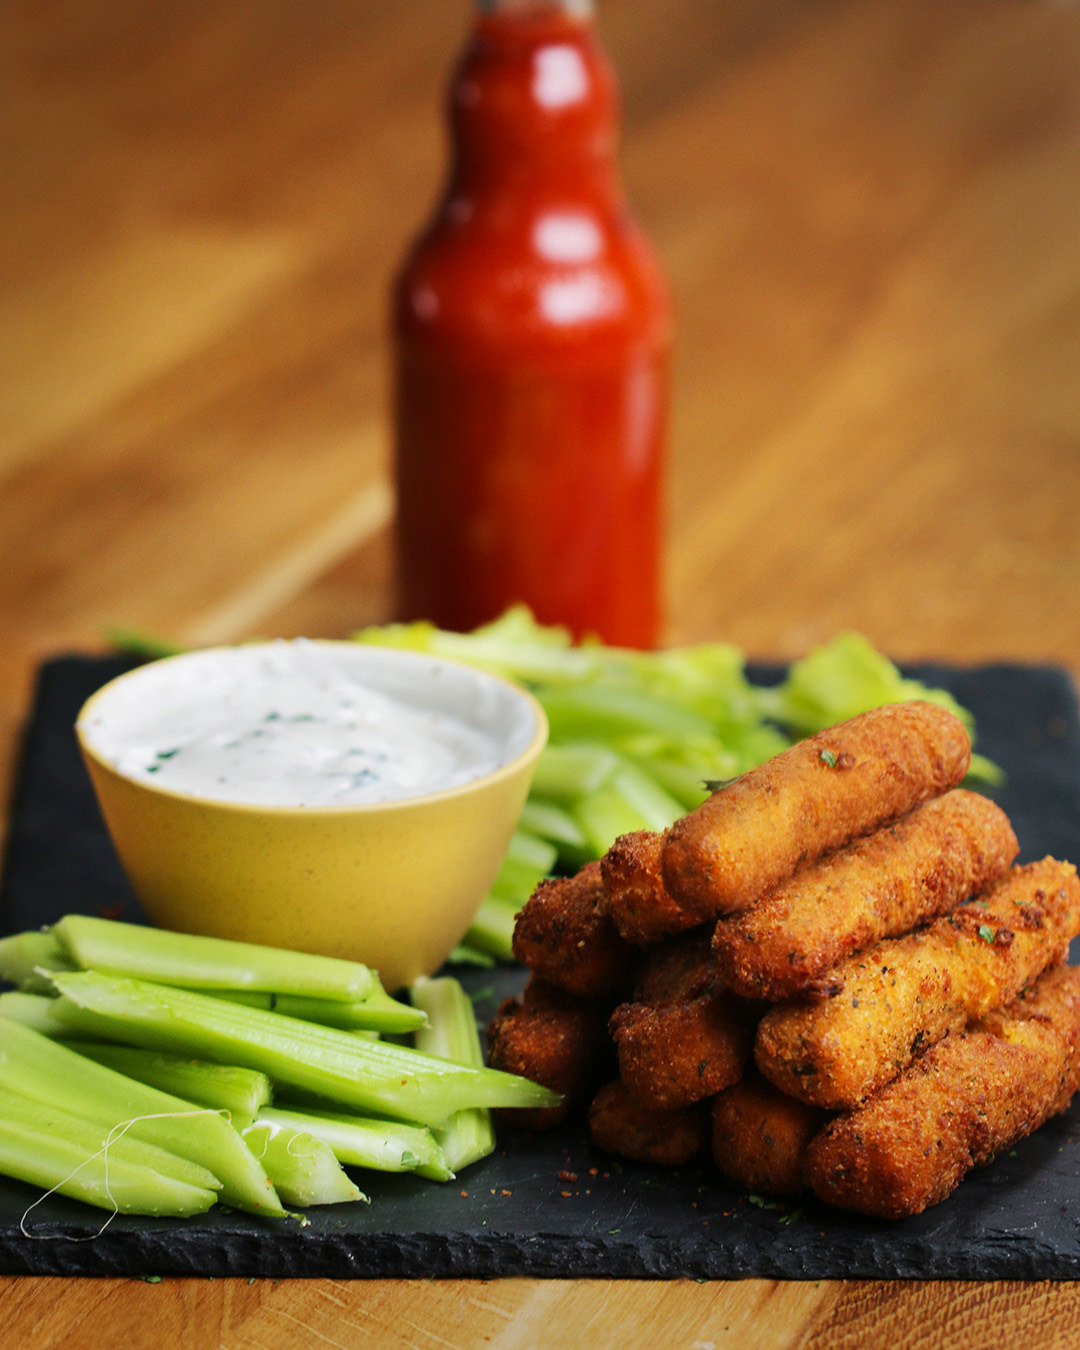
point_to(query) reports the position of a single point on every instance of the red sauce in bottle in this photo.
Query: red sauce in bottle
(532, 330)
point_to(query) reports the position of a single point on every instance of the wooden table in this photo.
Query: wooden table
(870, 212)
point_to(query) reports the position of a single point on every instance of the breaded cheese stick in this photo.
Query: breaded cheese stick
(686, 1036)
(619, 1124)
(640, 906)
(759, 1136)
(553, 1038)
(816, 797)
(565, 934)
(971, 1096)
(903, 874)
(901, 995)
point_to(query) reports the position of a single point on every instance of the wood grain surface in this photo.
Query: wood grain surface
(870, 214)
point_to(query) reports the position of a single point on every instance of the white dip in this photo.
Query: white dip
(306, 724)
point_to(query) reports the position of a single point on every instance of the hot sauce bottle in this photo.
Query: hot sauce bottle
(531, 335)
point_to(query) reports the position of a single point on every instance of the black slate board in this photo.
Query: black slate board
(512, 1214)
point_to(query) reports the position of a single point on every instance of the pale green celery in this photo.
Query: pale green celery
(514, 645)
(302, 1168)
(631, 800)
(551, 822)
(378, 1012)
(606, 712)
(492, 928)
(465, 954)
(361, 1074)
(845, 677)
(365, 1141)
(225, 1087)
(452, 1033)
(134, 642)
(685, 784)
(528, 860)
(40, 1068)
(22, 953)
(197, 962)
(37, 1011)
(566, 772)
(50, 1119)
(57, 1164)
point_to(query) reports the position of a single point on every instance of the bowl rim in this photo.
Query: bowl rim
(530, 752)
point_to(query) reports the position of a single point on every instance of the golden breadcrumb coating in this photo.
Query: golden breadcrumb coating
(901, 995)
(759, 1136)
(640, 906)
(619, 1124)
(814, 798)
(972, 1095)
(553, 1038)
(565, 934)
(881, 886)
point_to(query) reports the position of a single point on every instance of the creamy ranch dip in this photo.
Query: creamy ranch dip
(303, 723)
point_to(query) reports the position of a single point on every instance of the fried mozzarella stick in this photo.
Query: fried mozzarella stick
(686, 1036)
(640, 906)
(901, 995)
(759, 1136)
(565, 934)
(881, 886)
(969, 1097)
(553, 1038)
(619, 1124)
(814, 798)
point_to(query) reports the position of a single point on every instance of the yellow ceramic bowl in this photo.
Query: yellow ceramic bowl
(394, 884)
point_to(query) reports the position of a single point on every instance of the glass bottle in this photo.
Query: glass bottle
(532, 330)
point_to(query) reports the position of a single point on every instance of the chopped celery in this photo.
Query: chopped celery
(302, 1168)
(22, 953)
(37, 1011)
(359, 1073)
(566, 772)
(551, 822)
(528, 860)
(451, 1032)
(225, 1087)
(37, 1067)
(492, 928)
(192, 961)
(50, 1119)
(607, 712)
(366, 1141)
(378, 1012)
(57, 1164)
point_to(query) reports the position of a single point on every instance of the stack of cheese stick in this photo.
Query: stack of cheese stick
(831, 975)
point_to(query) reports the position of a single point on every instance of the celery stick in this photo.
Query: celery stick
(205, 962)
(492, 928)
(364, 1141)
(465, 954)
(302, 1168)
(528, 860)
(34, 1010)
(566, 772)
(359, 1073)
(22, 953)
(604, 712)
(451, 1032)
(52, 1163)
(378, 1012)
(52, 1120)
(40, 1068)
(551, 822)
(225, 1087)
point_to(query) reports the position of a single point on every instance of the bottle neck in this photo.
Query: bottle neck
(534, 98)
(583, 9)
